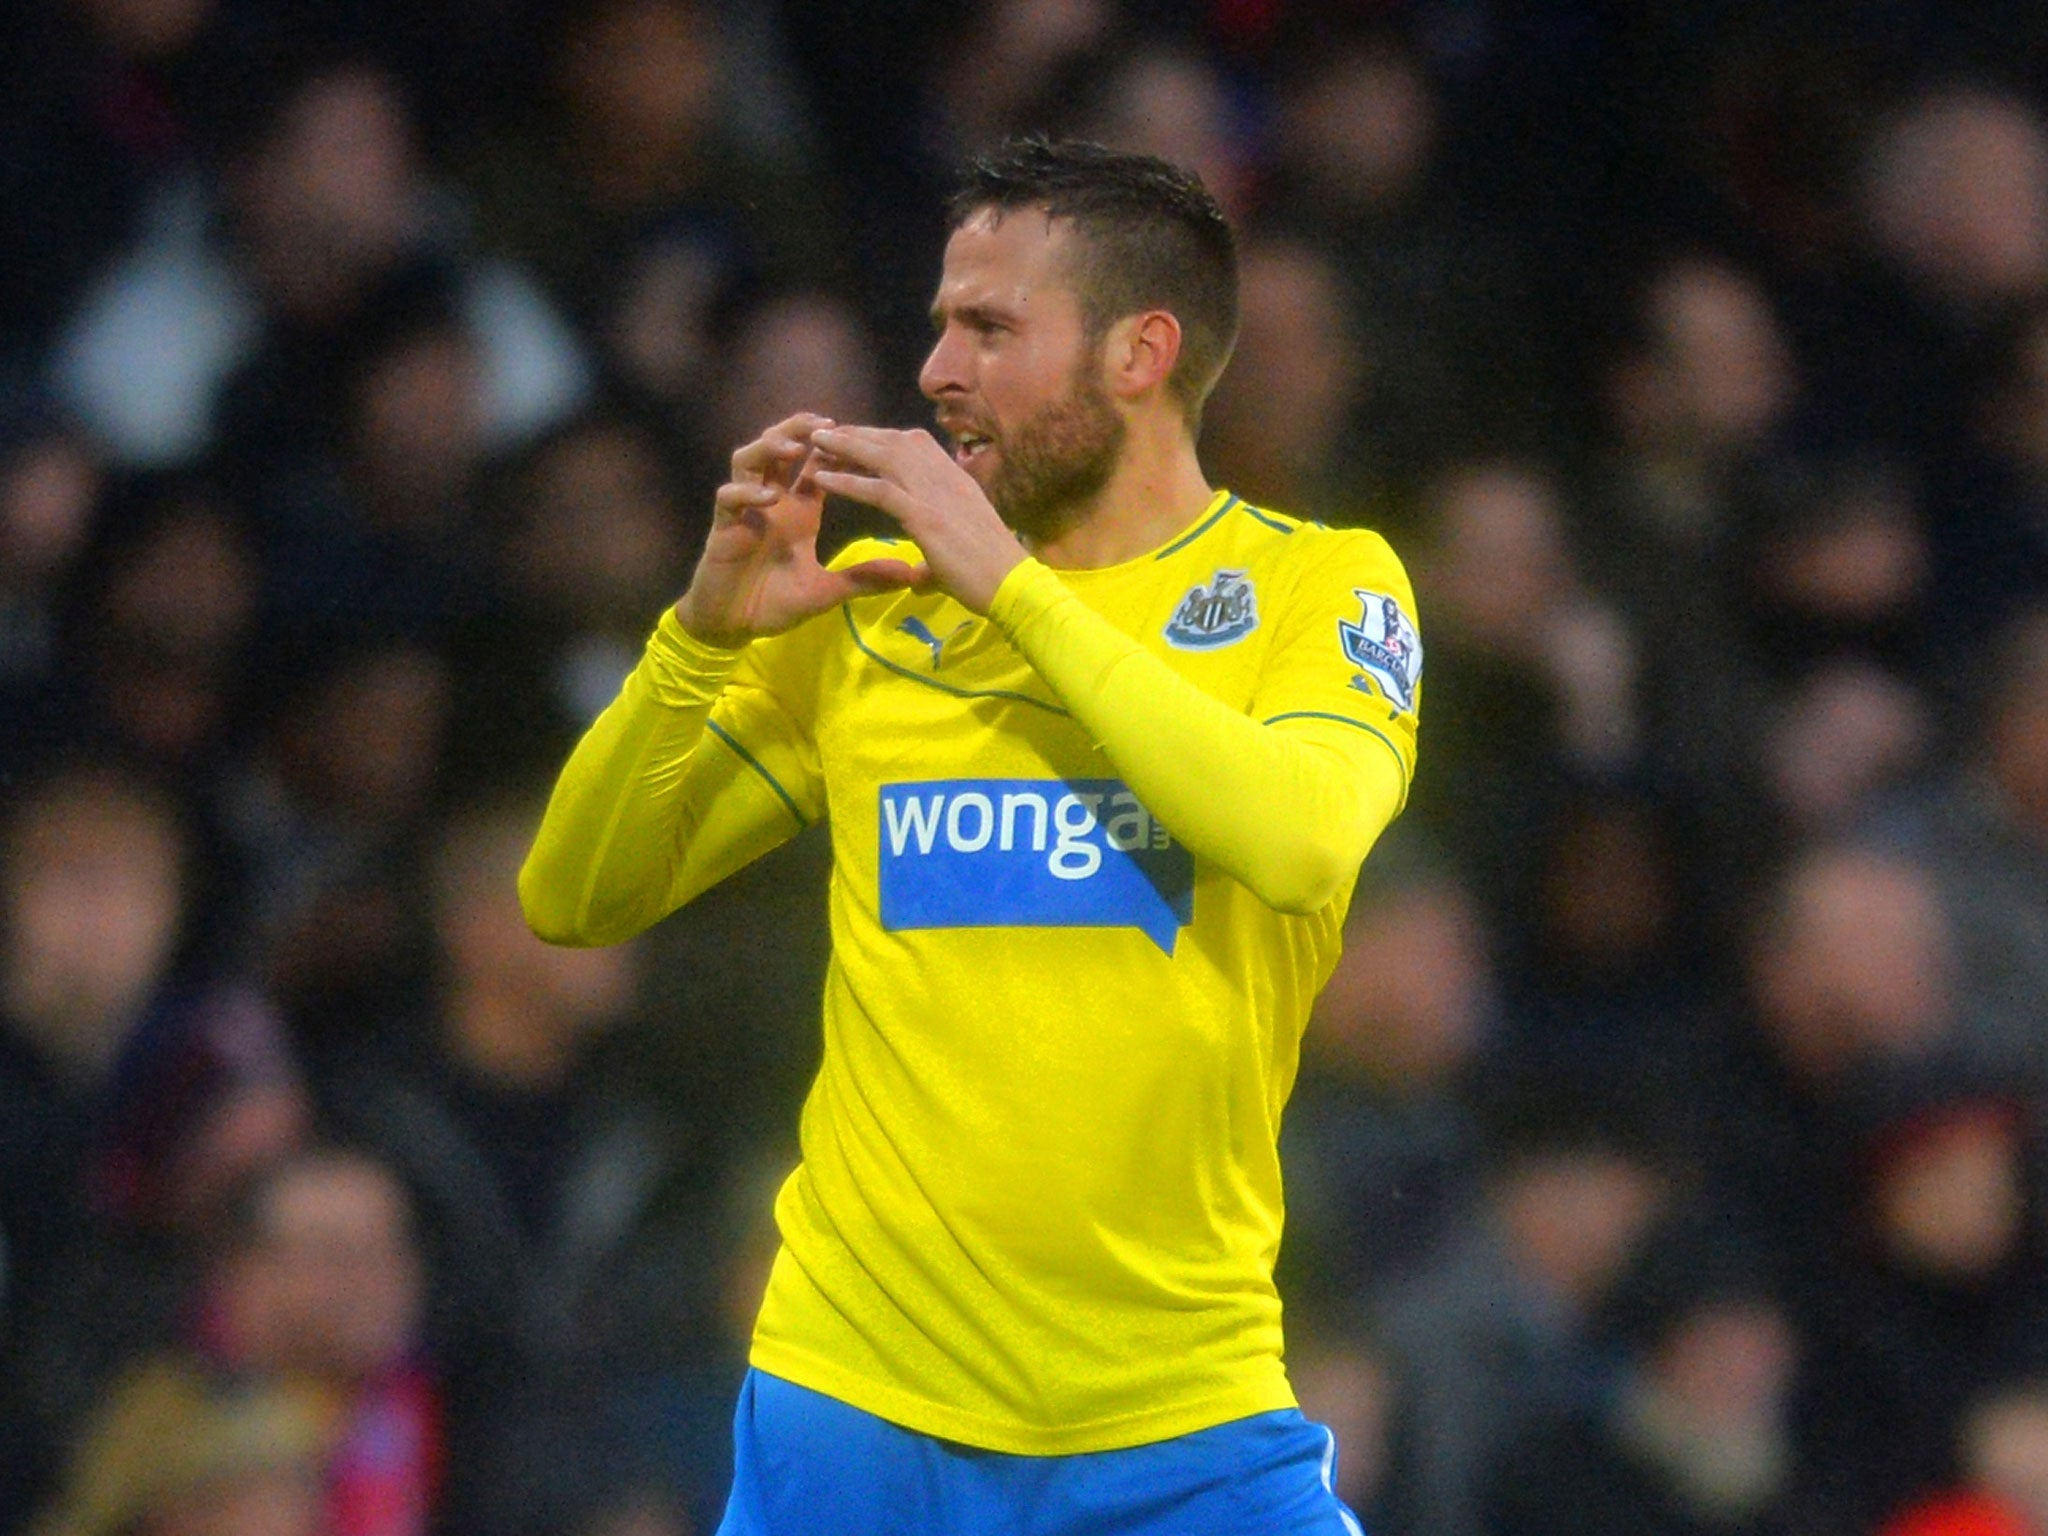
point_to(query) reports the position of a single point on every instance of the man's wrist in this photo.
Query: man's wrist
(994, 586)
(1026, 589)
(682, 669)
(700, 632)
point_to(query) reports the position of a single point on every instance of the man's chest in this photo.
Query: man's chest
(965, 793)
(925, 681)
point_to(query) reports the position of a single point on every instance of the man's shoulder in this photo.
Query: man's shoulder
(1282, 535)
(1298, 551)
(1313, 542)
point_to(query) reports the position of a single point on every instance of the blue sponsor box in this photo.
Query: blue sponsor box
(1030, 853)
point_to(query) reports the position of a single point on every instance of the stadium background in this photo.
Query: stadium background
(1666, 1156)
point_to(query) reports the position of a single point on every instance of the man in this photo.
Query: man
(1102, 750)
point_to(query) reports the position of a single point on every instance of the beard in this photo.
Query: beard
(1054, 464)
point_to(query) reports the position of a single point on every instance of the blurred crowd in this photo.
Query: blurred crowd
(1667, 1155)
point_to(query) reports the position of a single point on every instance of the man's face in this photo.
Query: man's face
(90, 907)
(333, 1286)
(1014, 372)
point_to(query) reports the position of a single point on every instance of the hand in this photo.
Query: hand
(966, 544)
(760, 573)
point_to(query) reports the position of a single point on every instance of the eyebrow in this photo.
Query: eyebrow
(972, 314)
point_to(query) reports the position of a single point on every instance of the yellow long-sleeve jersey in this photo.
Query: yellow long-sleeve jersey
(1091, 860)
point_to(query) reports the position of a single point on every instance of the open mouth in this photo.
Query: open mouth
(969, 446)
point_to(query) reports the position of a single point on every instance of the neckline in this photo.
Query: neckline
(1210, 515)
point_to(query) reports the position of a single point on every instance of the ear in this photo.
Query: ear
(1141, 352)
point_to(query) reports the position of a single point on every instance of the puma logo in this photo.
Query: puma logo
(921, 632)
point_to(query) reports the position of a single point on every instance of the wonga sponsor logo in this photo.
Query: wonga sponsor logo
(1030, 853)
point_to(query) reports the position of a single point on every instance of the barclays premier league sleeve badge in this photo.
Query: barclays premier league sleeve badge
(1385, 648)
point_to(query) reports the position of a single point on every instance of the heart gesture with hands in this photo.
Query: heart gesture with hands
(967, 546)
(760, 573)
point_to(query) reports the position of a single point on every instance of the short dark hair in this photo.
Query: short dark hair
(1152, 238)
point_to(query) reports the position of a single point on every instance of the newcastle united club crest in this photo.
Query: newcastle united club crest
(1384, 647)
(1224, 611)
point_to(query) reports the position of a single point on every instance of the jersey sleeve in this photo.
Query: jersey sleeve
(1285, 802)
(1347, 655)
(705, 761)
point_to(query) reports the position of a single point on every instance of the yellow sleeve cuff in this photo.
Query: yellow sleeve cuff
(680, 670)
(1027, 592)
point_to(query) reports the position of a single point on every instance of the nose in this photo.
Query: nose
(945, 366)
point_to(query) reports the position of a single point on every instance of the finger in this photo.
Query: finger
(862, 447)
(806, 477)
(884, 575)
(768, 455)
(883, 495)
(786, 441)
(736, 497)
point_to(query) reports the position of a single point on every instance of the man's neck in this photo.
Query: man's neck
(1158, 490)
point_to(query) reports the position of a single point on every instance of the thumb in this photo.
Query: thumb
(884, 575)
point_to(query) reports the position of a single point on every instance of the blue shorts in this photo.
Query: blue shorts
(809, 1465)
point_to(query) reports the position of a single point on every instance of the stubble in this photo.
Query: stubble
(1056, 463)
